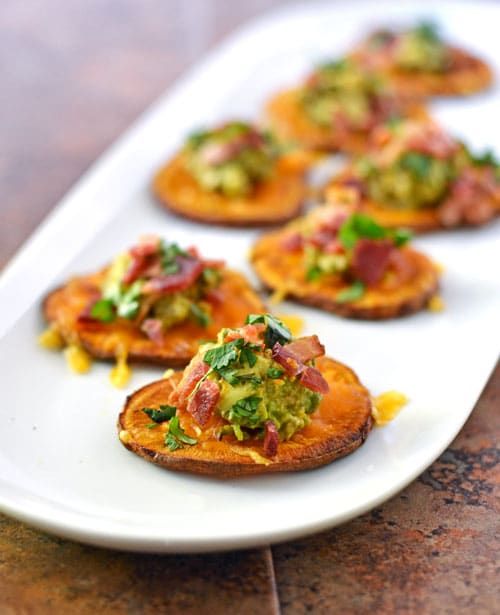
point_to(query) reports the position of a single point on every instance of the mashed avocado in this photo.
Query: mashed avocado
(231, 159)
(421, 49)
(340, 88)
(254, 388)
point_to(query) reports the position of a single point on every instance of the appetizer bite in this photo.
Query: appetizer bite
(336, 108)
(254, 401)
(153, 303)
(345, 263)
(419, 62)
(233, 175)
(416, 175)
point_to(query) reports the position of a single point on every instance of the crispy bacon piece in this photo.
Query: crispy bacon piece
(271, 439)
(218, 153)
(143, 256)
(312, 379)
(191, 377)
(189, 271)
(471, 200)
(153, 328)
(433, 141)
(292, 242)
(370, 259)
(404, 269)
(292, 358)
(202, 404)
(250, 333)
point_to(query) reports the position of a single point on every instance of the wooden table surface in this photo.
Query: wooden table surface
(75, 74)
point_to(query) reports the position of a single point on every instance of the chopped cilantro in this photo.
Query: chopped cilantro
(165, 413)
(246, 409)
(151, 425)
(352, 293)
(401, 236)
(487, 158)
(169, 254)
(417, 163)
(103, 310)
(275, 331)
(199, 314)
(128, 302)
(222, 356)
(176, 436)
(247, 355)
(313, 273)
(275, 372)
(428, 30)
(358, 226)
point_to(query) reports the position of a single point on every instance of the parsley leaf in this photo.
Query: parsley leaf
(165, 413)
(313, 273)
(428, 31)
(247, 355)
(171, 442)
(352, 293)
(103, 310)
(487, 158)
(169, 254)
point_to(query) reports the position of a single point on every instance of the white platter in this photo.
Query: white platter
(62, 467)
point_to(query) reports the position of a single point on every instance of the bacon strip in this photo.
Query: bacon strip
(471, 200)
(203, 403)
(370, 259)
(189, 271)
(271, 439)
(433, 141)
(250, 333)
(153, 328)
(292, 358)
(192, 375)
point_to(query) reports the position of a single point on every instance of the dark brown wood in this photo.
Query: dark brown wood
(74, 75)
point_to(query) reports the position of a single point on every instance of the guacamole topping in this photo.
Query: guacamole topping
(231, 159)
(253, 383)
(420, 48)
(343, 94)
(155, 285)
(351, 249)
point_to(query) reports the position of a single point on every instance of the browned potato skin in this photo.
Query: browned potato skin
(106, 341)
(276, 268)
(419, 221)
(290, 123)
(339, 426)
(273, 201)
(474, 77)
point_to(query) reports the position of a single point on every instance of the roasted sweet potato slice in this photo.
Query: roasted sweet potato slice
(230, 305)
(288, 120)
(418, 220)
(338, 427)
(467, 75)
(274, 200)
(285, 272)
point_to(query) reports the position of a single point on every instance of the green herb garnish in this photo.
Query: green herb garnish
(199, 314)
(275, 372)
(164, 413)
(313, 273)
(223, 356)
(358, 226)
(127, 304)
(176, 437)
(352, 293)
(103, 310)
(275, 331)
(401, 236)
(417, 163)
(246, 409)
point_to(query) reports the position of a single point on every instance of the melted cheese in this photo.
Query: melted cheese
(436, 304)
(168, 373)
(78, 360)
(254, 455)
(51, 339)
(125, 436)
(387, 406)
(294, 323)
(120, 374)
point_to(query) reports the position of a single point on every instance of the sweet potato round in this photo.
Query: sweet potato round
(274, 200)
(339, 426)
(106, 340)
(467, 75)
(289, 121)
(285, 271)
(418, 220)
